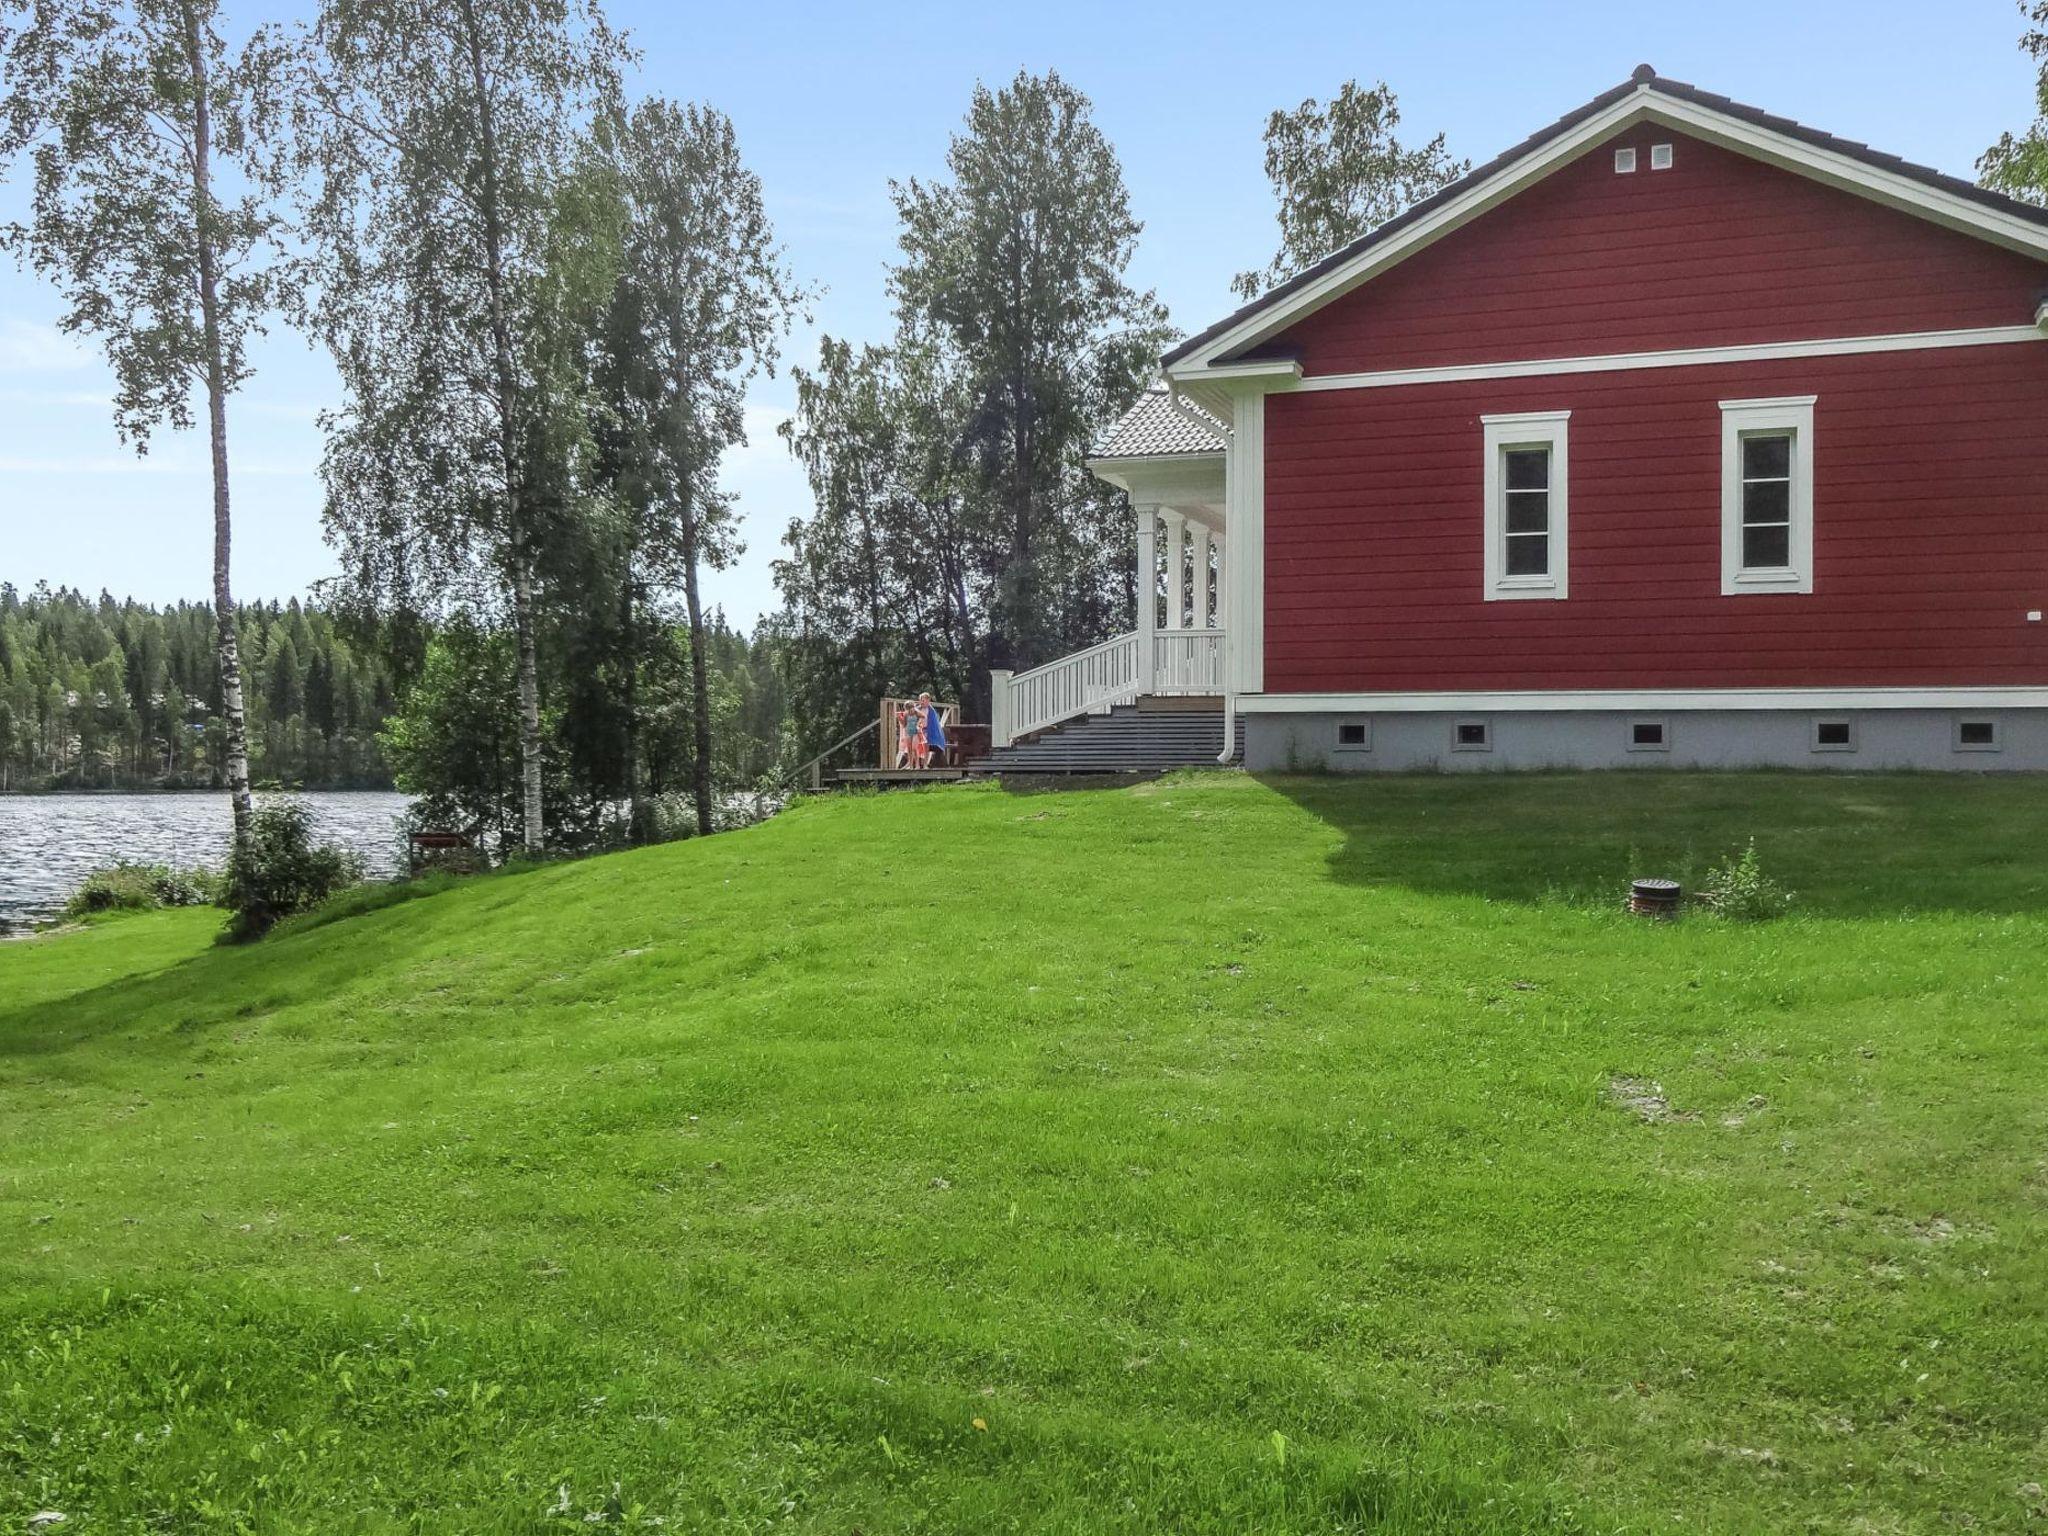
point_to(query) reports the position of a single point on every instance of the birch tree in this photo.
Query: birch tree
(438, 135)
(147, 134)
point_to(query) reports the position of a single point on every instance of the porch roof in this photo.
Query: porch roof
(1154, 428)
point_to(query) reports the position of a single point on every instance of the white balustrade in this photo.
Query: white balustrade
(1093, 679)
(1187, 661)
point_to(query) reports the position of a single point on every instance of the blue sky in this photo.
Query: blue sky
(831, 101)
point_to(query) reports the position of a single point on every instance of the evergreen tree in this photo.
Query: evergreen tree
(90, 709)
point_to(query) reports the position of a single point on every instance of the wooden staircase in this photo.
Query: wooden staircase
(1129, 738)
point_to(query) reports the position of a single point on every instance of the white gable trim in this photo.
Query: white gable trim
(1680, 357)
(1645, 102)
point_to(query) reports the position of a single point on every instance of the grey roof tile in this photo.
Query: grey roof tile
(1152, 428)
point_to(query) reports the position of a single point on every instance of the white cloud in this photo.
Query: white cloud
(96, 400)
(30, 348)
(117, 464)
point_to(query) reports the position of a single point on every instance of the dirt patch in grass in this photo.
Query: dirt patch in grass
(1645, 1100)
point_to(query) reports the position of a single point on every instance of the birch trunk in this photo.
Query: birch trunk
(700, 678)
(227, 652)
(520, 557)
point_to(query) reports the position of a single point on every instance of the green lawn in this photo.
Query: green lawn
(1243, 1155)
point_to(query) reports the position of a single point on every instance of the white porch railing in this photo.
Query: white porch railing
(1182, 661)
(1187, 661)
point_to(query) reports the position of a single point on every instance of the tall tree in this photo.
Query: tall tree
(1013, 274)
(1338, 172)
(2017, 164)
(440, 133)
(882, 584)
(148, 134)
(703, 302)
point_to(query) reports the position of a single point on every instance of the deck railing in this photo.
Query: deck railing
(1187, 661)
(1182, 661)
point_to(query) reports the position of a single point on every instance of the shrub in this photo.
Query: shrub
(280, 871)
(140, 888)
(1742, 891)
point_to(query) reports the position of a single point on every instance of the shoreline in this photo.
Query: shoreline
(150, 789)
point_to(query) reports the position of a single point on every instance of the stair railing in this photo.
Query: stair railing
(1182, 661)
(777, 789)
(1094, 679)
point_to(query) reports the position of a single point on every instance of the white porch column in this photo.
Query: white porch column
(1176, 567)
(1148, 590)
(1222, 577)
(1201, 593)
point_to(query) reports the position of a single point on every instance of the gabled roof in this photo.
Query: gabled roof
(1842, 162)
(1154, 428)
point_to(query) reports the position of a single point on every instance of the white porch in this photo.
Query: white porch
(1170, 459)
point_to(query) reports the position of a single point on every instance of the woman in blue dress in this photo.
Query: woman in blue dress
(934, 728)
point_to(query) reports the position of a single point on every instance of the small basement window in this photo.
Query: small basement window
(1526, 505)
(1767, 495)
(1649, 736)
(1976, 736)
(1834, 736)
(1354, 735)
(1472, 736)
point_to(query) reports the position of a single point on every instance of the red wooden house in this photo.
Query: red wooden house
(1678, 434)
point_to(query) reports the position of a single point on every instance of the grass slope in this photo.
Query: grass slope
(1239, 1154)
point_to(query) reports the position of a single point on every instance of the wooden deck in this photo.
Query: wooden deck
(898, 775)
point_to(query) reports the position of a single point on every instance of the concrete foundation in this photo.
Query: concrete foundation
(1452, 741)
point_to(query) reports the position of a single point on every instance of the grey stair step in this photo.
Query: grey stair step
(1126, 739)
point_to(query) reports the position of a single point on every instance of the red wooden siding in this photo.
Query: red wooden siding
(1717, 250)
(1930, 532)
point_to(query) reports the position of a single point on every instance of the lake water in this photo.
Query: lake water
(49, 843)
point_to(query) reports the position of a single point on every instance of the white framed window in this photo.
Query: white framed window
(1660, 157)
(1649, 736)
(1527, 505)
(1767, 495)
(1976, 733)
(1624, 161)
(1354, 735)
(1472, 735)
(1834, 734)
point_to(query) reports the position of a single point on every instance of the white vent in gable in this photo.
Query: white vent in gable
(1624, 161)
(1660, 157)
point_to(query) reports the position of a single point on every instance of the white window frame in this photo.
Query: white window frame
(1847, 722)
(1995, 744)
(1527, 429)
(1364, 723)
(1484, 744)
(1662, 744)
(1791, 414)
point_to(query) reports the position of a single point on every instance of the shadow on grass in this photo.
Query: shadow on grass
(225, 983)
(1847, 844)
